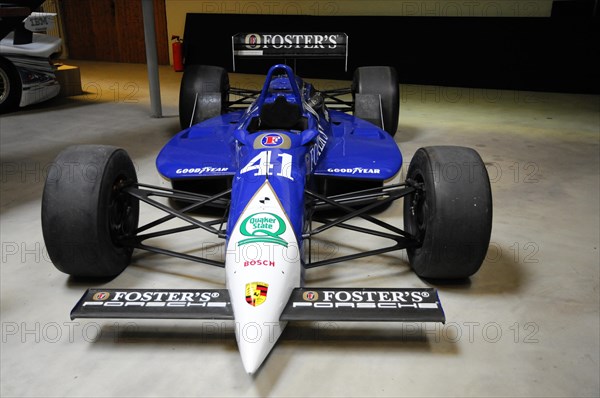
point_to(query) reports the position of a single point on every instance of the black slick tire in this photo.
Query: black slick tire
(450, 213)
(85, 212)
(381, 80)
(203, 94)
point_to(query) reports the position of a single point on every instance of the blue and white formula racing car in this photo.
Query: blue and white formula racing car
(278, 166)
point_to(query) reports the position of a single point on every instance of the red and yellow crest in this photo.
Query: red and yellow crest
(256, 293)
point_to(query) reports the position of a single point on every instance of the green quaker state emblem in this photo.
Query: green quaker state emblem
(263, 227)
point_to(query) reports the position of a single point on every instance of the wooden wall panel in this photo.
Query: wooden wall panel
(162, 37)
(130, 38)
(111, 30)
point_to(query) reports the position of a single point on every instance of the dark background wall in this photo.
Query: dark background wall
(558, 53)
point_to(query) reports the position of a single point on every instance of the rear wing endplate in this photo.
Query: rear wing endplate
(290, 46)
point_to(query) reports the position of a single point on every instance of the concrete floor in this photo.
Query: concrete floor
(527, 324)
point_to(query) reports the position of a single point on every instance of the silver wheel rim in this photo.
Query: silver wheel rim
(4, 86)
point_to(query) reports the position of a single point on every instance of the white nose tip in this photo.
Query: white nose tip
(255, 347)
(251, 364)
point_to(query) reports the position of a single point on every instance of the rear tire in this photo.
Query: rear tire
(211, 85)
(10, 86)
(451, 215)
(85, 212)
(380, 80)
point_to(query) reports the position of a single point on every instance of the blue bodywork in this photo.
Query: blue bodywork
(329, 143)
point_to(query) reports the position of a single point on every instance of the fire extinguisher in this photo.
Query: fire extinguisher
(177, 53)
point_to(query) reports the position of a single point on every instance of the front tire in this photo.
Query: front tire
(450, 213)
(85, 212)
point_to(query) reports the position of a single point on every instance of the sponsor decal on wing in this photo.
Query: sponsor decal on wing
(154, 304)
(366, 299)
(300, 43)
(158, 298)
(360, 304)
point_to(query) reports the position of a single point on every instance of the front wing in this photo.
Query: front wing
(305, 304)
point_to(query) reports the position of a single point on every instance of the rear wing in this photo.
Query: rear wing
(290, 46)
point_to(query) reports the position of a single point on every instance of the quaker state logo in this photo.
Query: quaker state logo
(256, 293)
(263, 227)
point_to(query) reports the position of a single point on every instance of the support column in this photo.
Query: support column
(151, 57)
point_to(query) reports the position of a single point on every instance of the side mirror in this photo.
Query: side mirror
(308, 136)
(242, 136)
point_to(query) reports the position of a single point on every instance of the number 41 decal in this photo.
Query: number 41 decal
(263, 166)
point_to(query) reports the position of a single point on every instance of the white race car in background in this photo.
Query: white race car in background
(27, 74)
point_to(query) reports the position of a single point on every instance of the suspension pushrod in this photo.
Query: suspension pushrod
(171, 231)
(365, 194)
(351, 213)
(179, 194)
(190, 198)
(355, 256)
(406, 238)
(243, 100)
(368, 190)
(336, 91)
(184, 256)
(238, 91)
(143, 196)
(173, 213)
(335, 100)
